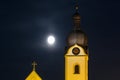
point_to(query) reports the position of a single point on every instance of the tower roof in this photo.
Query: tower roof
(77, 36)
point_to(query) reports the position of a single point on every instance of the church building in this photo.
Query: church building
(76, 56)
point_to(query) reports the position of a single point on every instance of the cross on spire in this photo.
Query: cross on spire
(34, 65)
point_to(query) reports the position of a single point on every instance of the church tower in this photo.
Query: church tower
(33, 75)
(76, 57)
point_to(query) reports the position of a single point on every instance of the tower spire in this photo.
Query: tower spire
(76, 6)
(34, 65)
(76, 17)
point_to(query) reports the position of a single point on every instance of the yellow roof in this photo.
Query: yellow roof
(33, 75)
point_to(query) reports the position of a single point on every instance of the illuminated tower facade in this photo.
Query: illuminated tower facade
(76, 57)
(33, 75)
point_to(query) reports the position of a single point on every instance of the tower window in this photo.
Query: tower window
(76, 69)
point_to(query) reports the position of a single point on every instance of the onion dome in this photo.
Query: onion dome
(77, 36)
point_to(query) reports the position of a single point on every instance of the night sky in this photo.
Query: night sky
(25, 25)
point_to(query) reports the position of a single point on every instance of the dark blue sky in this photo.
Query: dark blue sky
(25, 25)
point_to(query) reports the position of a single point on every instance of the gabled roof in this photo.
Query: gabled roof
(33, 76)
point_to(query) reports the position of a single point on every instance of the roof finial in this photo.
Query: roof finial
(34, 64)
(76, 6)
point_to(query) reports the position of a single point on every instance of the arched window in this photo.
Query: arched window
(76, 69)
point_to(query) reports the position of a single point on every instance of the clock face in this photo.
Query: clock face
(76, 51)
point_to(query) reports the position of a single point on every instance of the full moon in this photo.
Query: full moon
(51, 40)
